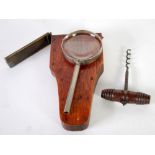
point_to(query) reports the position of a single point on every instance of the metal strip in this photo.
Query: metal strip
(28, 50)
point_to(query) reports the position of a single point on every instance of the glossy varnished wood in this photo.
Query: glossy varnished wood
(78, 118)
(125, 96)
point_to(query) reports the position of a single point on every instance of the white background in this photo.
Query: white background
(29, 98)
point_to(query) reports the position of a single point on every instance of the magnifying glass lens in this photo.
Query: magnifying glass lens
(81, 46)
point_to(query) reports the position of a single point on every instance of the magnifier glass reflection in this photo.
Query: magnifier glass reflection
(80, 48)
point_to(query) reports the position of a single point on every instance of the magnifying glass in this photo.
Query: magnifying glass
(80, 48)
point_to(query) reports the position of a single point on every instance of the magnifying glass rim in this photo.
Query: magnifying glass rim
(78, 60)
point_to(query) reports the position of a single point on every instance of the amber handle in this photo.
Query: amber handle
(125, 96)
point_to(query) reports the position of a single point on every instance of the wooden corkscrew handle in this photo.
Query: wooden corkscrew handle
(125, 96)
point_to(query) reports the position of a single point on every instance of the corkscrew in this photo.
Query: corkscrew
(125, 96)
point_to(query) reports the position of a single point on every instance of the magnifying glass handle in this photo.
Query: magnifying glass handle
(72, 88)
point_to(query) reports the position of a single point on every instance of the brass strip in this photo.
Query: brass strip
(28, 50)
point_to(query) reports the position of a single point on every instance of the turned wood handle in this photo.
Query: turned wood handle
(125, 96)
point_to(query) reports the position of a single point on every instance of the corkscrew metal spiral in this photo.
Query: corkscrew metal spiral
(128, 57)
(125, 96)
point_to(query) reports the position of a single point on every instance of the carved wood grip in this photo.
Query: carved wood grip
(125, 96)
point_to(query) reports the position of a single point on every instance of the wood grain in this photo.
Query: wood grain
(78, 118)
(125, 96)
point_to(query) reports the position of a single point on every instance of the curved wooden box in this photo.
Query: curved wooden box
(78, 118)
